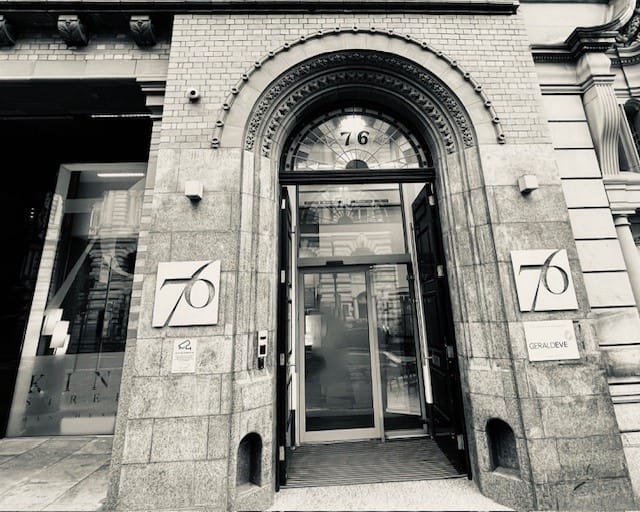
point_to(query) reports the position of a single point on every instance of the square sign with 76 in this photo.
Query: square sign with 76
(187, 293)
(543, 280)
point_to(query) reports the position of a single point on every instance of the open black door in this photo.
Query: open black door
(285, 416)
(446, 413)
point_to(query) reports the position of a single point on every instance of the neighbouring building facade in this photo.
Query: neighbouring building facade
(236, 228)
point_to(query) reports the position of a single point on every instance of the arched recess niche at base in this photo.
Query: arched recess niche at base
(503, 449)
(249, 461)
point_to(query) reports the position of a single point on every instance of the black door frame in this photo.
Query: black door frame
(285, 417)
(446, 413)
(284, 420)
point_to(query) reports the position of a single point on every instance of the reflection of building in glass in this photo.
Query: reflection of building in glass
(360, 221)
(73, 383)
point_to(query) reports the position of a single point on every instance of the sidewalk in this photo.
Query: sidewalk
(54, 473)
(70, 474)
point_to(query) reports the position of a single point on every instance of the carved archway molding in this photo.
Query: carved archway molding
(276, 109)
(324, 65)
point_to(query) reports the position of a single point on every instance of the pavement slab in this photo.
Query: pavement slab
(87, 495)
(70, 473)
(18, 445)
(437, 495)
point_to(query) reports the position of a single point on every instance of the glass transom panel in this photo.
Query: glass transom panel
(354, 139)
(350, 220)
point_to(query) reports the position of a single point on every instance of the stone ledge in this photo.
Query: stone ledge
(316, 6)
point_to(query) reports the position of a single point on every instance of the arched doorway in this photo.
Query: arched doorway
(365, 325)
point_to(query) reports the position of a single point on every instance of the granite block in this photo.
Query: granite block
(179, 439)
(159, 486)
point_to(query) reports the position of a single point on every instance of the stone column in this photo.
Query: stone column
(629, 253)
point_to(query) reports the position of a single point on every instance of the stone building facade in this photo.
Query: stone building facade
(179, 127)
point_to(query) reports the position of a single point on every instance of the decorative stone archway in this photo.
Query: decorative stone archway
(424, 101)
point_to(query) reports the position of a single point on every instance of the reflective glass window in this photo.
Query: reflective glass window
(69, 376)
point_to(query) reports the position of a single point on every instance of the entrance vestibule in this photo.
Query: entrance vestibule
(356, 361)
(357, 343)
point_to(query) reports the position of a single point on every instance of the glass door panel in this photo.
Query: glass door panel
(399, 368)
(338, 381)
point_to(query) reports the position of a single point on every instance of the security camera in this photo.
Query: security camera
(193, 94)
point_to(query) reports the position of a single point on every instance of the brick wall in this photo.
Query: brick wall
(212, 52)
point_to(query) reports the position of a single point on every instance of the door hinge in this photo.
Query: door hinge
(281, 453)
(282, 359)
(283, 204)
(283, 276)
(460, 439)
(432, 200)
(450, 351)
(440, 270)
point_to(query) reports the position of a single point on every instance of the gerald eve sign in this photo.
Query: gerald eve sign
(551, 340)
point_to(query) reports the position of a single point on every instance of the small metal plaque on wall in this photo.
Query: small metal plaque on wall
(184, 356)
(543, 280)
(551, 340)
(187, 293)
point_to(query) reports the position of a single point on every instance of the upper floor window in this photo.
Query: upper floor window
(630, 137)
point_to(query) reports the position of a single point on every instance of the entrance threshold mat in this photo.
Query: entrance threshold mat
(368, 462)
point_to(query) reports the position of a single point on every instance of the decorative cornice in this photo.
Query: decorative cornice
(582, 40)
(621, 32)
(626, 56)
(549, 53)
(72, 30)
(573, 48)
(142, 30)
(381, 62)
(505, 7)
(7, 35)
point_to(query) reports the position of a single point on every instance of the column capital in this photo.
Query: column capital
(594, 69)
(621, 219)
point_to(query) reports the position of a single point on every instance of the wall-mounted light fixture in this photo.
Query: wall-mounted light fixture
(193, 190)
(527, 183)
